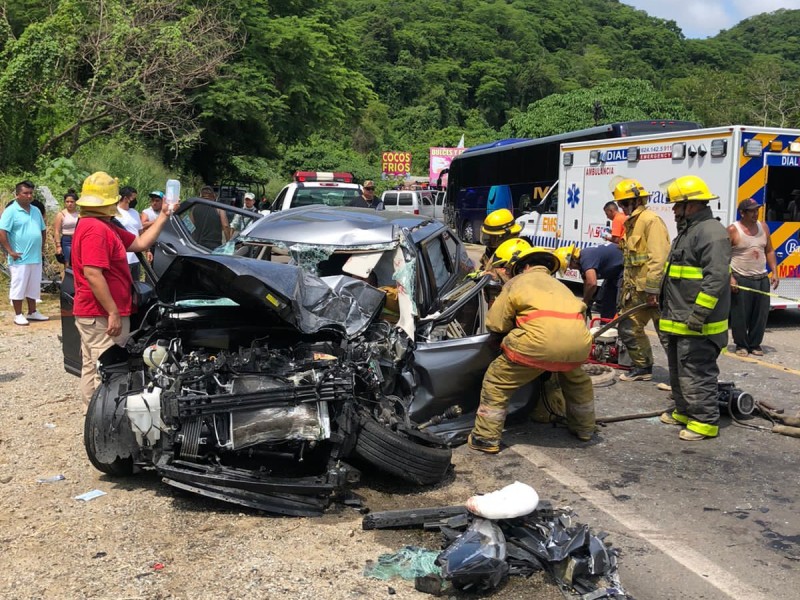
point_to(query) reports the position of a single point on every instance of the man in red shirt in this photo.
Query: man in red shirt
(102, 302)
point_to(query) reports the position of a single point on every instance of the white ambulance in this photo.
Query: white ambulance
(737, 162)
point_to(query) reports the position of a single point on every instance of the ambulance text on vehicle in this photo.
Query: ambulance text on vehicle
(737, 162)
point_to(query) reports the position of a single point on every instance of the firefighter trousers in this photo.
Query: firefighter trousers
(693, 374)
(549, 406)
(631, 330)
(504, 377)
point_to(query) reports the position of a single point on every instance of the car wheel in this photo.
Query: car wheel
(400, 456)
(467, 232)
(107, 437)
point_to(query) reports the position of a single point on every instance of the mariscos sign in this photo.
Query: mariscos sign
(396, 164)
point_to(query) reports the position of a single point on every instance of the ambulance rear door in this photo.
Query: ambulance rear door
(780, 199)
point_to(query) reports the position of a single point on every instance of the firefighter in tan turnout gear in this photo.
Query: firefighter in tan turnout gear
(695, 301)
(545, 330)
(644, 252)
(498, 227)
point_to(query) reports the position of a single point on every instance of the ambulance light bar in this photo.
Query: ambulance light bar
(567, 159)
(594, 157)
(633, 154)
(678, 150)
(794, 147)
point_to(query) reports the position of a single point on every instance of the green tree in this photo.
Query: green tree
(93, 68)
(621, 100)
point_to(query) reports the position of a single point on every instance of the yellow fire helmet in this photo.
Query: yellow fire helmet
(538, 255)
(565, 254)
(689, 188)
(508, 250)
(99, 189)
(500, 222)
(630, 189)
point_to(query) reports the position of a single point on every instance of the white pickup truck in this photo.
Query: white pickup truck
(317, 187)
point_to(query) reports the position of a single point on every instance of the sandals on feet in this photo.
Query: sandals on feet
(742, 352)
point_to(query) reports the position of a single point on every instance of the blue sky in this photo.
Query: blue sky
(705, 18)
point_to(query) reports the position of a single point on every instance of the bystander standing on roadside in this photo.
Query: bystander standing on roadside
(150, 214)
(103, 298)
(617, 218)
(22, 236)
(130, 219)
(751, 253)
(64, 227)
(211, 226)
(367, 198)
(239, 222)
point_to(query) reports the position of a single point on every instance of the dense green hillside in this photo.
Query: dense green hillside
(249, 88)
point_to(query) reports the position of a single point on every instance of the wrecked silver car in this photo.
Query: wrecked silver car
(269, 371)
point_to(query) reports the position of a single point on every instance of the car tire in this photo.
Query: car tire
(400, 456)
(96, 438)
(467, 232)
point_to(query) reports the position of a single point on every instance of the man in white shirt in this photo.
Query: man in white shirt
(129, 218)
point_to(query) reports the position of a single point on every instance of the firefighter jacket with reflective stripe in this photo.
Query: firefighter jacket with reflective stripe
(644, 248)
(544, 323)
(697, 282)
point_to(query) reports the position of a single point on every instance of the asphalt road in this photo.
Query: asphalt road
(716, 519)
(711, 519)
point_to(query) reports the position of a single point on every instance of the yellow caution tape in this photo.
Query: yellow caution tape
(771, 294)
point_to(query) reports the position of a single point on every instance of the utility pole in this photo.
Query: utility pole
(597, 112)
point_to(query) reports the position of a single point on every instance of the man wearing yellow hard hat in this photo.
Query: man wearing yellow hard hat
(644, 249)
(498, 227)
(695, 301)
(103, 300)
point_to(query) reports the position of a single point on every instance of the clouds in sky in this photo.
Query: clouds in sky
(705, 18)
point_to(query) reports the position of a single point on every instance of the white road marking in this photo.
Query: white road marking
(629, 518)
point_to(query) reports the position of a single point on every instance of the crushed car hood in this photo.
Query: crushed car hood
(309, 303)
(330, 226)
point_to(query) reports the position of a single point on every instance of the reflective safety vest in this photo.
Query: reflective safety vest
(697, 279)
(544, 323)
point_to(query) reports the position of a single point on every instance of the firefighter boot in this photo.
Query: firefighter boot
(482, 445)
(637, 374)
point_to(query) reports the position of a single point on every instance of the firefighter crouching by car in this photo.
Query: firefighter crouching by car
(545, 330)
(644, 252)
(695, 301)
(549, 407)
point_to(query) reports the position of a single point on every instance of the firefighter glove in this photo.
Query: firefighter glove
(695, 322)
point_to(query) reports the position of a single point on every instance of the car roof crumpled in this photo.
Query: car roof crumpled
(305, 301)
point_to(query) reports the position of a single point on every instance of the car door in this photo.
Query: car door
(426, 205)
